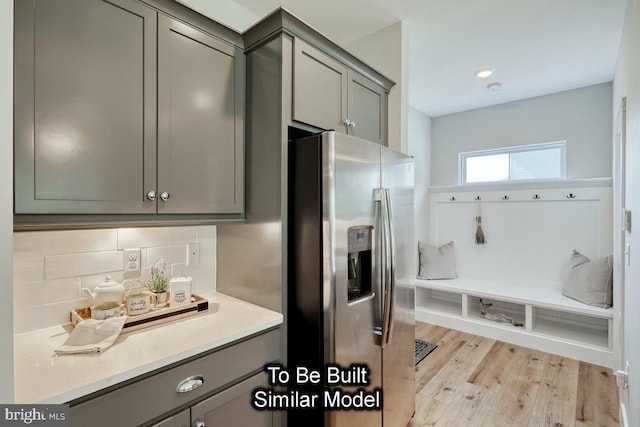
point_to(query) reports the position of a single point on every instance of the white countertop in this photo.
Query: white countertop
(43, 377)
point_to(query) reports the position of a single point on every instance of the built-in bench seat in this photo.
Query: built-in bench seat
(537, 296)
(551, 321)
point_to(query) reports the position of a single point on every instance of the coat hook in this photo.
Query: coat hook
(452, 199)
(505, 197)
(571, 196)
(478, 198)
(536, 197)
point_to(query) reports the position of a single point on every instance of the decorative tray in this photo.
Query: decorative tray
(155, 316)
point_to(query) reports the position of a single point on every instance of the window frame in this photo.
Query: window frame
(462, 160)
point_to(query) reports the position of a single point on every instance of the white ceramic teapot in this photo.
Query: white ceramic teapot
(107, 291)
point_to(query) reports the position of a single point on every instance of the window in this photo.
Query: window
(536, 161)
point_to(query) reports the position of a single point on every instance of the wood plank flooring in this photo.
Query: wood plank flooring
(475, 381)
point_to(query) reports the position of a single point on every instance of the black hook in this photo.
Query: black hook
(505, 197)
(452, 199)
(536, 197)
(571, 196)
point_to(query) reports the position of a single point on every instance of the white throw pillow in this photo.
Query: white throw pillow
(590, 282)
(437, 263)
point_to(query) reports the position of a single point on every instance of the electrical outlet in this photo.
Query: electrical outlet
(131, 260)
(193, 254)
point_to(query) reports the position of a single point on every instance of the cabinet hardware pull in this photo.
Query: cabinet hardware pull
(190, 383)
(536, 197)
(505, 197)
(353, 124)
(571, 196)
(347, 123)
(165, 196)
(151, 195)
(199, 423)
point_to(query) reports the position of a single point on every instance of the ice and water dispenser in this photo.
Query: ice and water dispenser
(359, 262)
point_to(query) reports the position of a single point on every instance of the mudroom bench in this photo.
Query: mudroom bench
(551, 321)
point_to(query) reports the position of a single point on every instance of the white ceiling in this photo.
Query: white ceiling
(536, 47)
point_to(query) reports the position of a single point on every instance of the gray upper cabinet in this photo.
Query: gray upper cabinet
(200, 122)
(319, 88)
(122, 109)
(328, 95)
(368, 107)
(85, 96)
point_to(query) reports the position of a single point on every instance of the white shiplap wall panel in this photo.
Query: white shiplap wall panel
(528, 241)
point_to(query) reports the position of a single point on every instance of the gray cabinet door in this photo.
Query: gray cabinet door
(85, 106)
(200, 121)
(181, 419)
(319, 88)
(233, 407)
(368, 109)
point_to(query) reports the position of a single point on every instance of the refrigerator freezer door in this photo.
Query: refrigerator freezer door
(352, 180)
(398, 355)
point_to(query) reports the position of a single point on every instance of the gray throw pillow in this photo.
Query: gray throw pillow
(590, 282)
(437, 263)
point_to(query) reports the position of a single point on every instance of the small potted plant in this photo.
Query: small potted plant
(158, 282)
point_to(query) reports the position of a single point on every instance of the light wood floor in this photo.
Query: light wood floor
(475, 381)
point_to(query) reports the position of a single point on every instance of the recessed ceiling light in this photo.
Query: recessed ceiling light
(494, 87)
(483, 73)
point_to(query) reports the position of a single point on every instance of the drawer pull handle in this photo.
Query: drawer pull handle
(191, 383)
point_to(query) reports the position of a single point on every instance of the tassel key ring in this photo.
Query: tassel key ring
(480, 239)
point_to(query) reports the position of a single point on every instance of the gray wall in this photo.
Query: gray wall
(582, 117)
(420, 149)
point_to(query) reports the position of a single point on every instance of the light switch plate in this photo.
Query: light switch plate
(193, 254)
(132, 260)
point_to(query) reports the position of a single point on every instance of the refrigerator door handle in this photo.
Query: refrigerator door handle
(386, 267)
(391, 266)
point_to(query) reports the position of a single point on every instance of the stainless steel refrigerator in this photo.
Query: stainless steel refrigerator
(351, 256)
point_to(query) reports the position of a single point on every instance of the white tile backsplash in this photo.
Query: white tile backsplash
(43, 316)
(157, 236)
(71, 241)
(40, 293)
(82, 264)
(94, 280)
(51, 267)
(28, 269)
(171, 255)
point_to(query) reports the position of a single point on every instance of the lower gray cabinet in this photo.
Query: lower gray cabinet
(222, 390)
(181, 419)
(232, 407)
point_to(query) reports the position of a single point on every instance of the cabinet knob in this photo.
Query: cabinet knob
(190, 383)
(347, 123)
(353, 124)
(151, 195)
(199, 423)
(165, 196)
